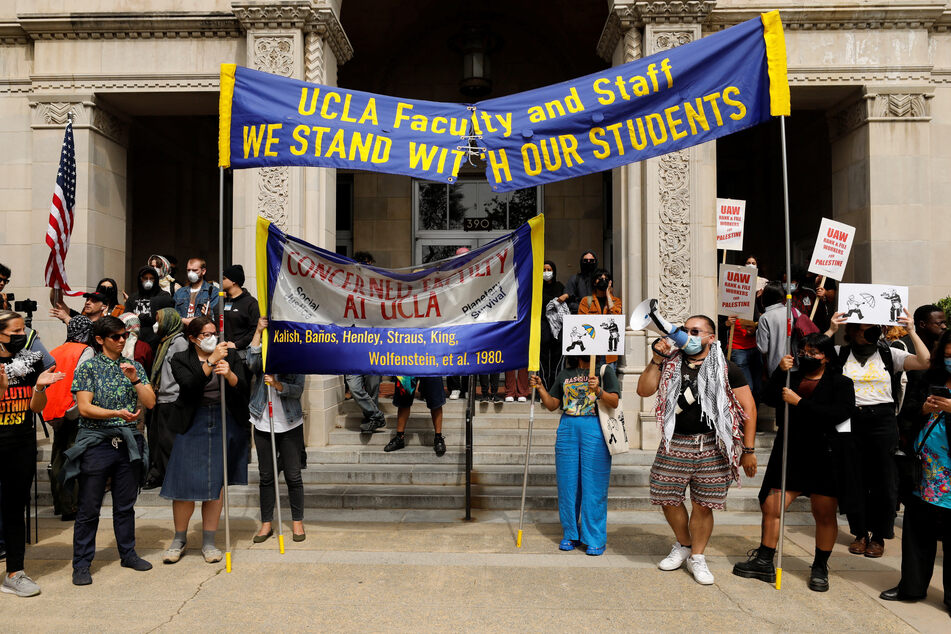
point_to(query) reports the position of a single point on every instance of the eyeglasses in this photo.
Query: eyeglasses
(118, 336)
(205, 335)
(806, 355)
(4, 280)
(696, 332)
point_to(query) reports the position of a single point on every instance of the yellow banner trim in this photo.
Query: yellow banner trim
(537, 225)
(225, 95)
(260, 250)
(779, 104)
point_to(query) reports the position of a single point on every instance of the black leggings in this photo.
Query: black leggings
(17, 464)
(290, 445)
(875, 432)
(925, 525)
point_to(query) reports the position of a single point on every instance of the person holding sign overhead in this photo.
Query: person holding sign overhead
(874, 369)
(582, 460)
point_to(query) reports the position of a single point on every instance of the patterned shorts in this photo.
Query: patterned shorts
(693, 460)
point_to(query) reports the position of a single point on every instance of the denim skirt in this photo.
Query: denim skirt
(195, 470)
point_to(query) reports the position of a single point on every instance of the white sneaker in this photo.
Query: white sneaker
(509, 399)
(454, 395)
(697, 565)
(678, 555)
(522, 399)
(20, 585)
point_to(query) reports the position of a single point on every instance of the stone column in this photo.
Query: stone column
(881, 175)
(302, 39)
(666, 205)
(99, 230)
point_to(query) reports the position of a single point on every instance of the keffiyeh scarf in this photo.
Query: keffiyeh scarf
(718, 404)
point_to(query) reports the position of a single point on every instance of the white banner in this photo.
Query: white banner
(737, 293)
(730, 217)
(314, 289)
(873, 303)
(832, 249)
(592, 334)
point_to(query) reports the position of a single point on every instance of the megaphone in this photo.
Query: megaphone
(647, 317)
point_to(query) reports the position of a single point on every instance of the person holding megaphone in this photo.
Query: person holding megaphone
(707, 419)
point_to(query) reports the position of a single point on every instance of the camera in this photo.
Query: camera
(25, 306)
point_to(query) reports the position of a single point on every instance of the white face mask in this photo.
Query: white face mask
(751, 265)
(148, 284)
(193, 277)
(155, 327)
(548, 276)
(208, 344)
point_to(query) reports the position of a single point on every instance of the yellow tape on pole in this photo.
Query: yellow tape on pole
(228, 561)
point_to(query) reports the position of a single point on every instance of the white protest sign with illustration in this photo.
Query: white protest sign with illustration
(737, 294)
(832, 249)
(730, 216)
(592, 334)
(872, 303)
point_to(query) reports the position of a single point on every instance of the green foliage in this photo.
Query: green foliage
(945, 304)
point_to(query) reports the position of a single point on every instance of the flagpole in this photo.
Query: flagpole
(221, 328)
(277, 489)
(782, 490)
(528, 451)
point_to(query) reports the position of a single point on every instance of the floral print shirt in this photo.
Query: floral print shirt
(935, 485)
(110, 388)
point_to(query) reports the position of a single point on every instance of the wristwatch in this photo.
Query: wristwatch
(39, 388)
(209, 363)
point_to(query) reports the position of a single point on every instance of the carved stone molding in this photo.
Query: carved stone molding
(273, 190)
(53, 113)
(893, 104)
(633, 48)
(273, 54)
(826, 75)
(129, 25)
(259, 16)
(14, 86)
(314, 59)
(663, 40)
(673, 176)
(327, 25)
(627, 15)
(923, 14)
(118, 83)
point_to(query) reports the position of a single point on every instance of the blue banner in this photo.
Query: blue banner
(691, 94)
(475, 313)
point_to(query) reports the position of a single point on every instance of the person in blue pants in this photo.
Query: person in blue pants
(582, 461)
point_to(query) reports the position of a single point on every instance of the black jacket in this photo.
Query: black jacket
(145, 303)
(191, 379)
(241, 319)
(816, 415)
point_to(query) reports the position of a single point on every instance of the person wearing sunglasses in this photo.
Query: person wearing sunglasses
(110, 392)
(707, 419)
(5, 273)
(820, 401)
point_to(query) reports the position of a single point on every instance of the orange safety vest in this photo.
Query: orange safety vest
(59, 396)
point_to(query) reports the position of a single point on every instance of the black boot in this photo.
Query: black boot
(819, 578)
(759, 565)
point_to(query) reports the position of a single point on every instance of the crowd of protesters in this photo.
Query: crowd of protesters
(867, 429)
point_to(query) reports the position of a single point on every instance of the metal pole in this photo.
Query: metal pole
(470, 405)
(221, 329)
(528, 451)
(782, 489)
(277, 489)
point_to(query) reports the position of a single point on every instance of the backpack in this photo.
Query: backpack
(886, 353)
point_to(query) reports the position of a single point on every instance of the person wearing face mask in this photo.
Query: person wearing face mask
(820, 400)
(195, 470)
(581, 284)
(166, 279)
(147, 291)
(198, 297)
(167, 419)
(771, 327)
(602, 301)
(23, 384)
(62, 412)
(552, 291)
(707, 419)
(135, 348)
(874, 368)
(927, 519)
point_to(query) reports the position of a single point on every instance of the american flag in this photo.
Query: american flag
(61, 215)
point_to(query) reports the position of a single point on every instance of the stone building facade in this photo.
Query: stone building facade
(869, 140)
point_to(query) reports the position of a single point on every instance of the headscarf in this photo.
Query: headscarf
(169, 326)
(165, 281)
(132, 325)
(111, 293)
(79, 330)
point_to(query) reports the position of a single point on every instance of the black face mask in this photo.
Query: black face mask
(809, 365)
(16, 343)
(872, 334)
(601, 285)
(588, 267)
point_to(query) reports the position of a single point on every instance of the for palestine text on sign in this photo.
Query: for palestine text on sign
(730, 217)
(833, 245)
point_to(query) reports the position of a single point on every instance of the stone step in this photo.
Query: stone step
(425, 437)
(422, 421)
(359, 496)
